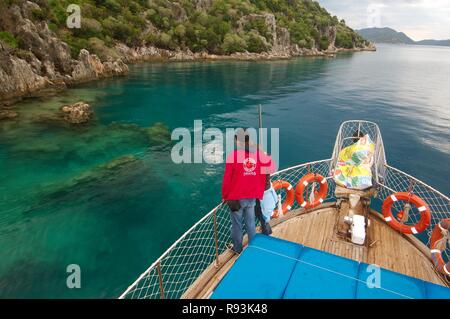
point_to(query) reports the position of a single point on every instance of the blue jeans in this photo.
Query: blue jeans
(247, 213)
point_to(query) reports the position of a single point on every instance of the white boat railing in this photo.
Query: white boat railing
(175, 271)
(348, 133)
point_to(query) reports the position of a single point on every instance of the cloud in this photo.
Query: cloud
(420, 19)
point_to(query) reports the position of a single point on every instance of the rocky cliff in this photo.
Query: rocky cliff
(277, 45)
(41, 59)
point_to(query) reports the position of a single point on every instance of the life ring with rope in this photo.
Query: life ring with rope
(438, 241)
(289, 200)
(318, 196)
(425, 214)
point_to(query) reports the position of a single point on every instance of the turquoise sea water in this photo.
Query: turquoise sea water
(107, 197)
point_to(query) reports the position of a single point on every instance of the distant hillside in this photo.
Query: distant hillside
(388, 35)
(385, 35)
(434, 42)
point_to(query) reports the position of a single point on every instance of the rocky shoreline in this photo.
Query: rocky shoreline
(145, 54)
(24, 83)
(43, 64)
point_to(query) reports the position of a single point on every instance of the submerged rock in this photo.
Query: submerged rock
(159, 134)
(8, 115)
(102, 172)
(103, 181)
(77, 113)
(118, 162)
(124, 126)
(38, 147)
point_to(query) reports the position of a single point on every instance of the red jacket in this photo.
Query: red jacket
(245, 175)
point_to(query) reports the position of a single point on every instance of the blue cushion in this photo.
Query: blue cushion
(271, 268)
(262, 271)
(436, 292)
(321, 275)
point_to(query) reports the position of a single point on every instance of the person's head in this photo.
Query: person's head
(357, 135)
(242, 138)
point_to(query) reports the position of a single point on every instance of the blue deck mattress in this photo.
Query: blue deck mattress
(271, 268)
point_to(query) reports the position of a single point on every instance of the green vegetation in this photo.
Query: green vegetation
(9, 39)
(234, 43)
(346, 38)
(219, 26)
(256, 42)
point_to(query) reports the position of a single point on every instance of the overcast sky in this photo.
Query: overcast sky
(419, 19)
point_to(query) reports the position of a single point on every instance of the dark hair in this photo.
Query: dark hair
(242, 132)
(246, 138)
(357, 135)
(238, 137)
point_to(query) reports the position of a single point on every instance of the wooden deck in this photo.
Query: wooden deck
(319, 229)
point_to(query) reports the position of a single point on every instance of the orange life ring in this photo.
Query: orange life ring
(290, 196)
(423, 208)
(436, 254)
(319, 195)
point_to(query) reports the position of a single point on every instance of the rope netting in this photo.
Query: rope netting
(175, 271)
(398, 181)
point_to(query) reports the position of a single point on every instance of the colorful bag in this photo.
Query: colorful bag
(354, 166)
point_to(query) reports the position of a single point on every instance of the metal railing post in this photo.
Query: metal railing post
(216, 239)
(307, 189)
(161, 283)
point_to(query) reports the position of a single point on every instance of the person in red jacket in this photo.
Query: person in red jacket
(243, 183)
